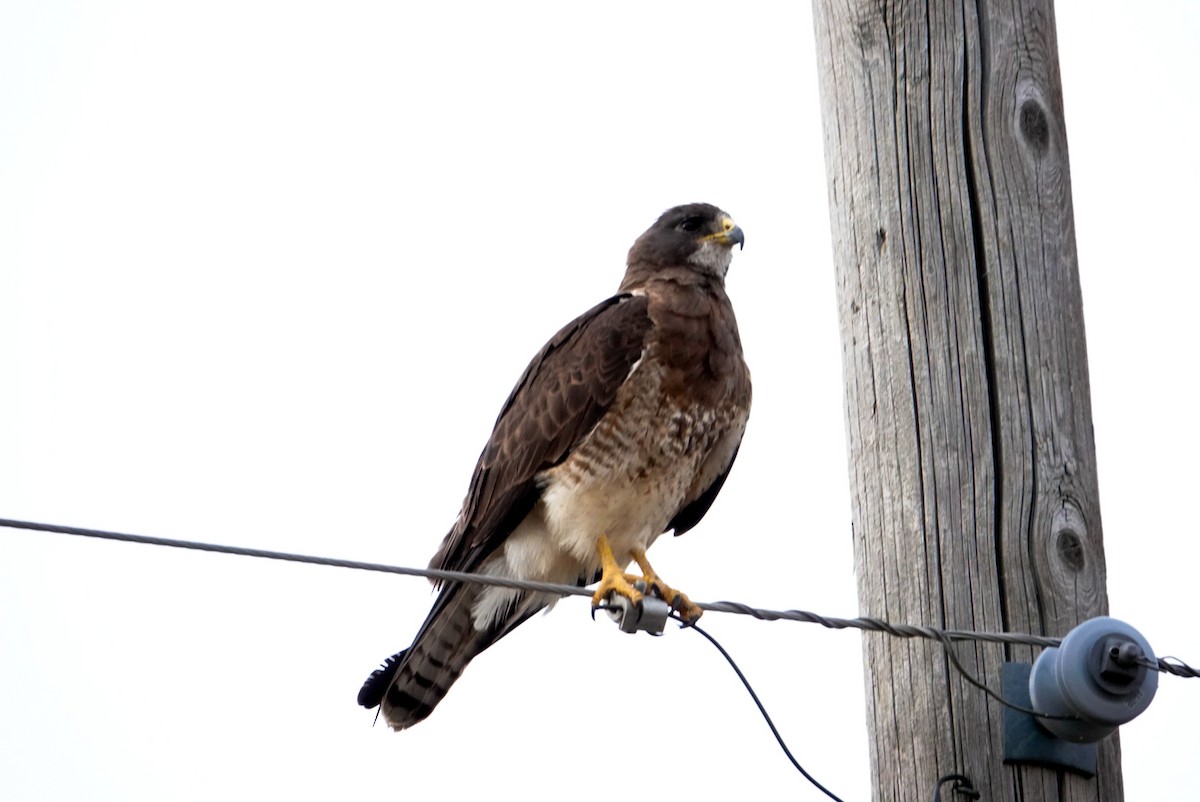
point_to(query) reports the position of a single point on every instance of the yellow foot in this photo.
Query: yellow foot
(613, 579)
(679, 602)
(688, 610)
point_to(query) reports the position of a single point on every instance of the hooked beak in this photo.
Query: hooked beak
(729, 234)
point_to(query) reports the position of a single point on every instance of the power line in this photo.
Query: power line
(333, 562)
(1170, 665)
(945, 637)
(878, 625)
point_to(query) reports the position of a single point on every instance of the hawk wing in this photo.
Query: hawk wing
(562, 394)
(690, 515)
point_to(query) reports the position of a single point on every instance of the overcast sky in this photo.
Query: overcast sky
(267, 272)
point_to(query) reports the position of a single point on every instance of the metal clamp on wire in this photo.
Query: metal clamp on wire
(650, 615)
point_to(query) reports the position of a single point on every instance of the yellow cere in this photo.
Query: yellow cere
(727, 225)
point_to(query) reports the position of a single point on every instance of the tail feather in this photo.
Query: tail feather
(372, 691)
(409, 684)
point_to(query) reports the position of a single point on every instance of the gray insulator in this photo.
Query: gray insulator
(1096, 678)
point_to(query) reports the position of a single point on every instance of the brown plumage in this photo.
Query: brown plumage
(624, 426)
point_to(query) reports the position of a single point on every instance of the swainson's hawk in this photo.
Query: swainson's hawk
(624, 426)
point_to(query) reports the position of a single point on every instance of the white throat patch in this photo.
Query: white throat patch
(712, 258)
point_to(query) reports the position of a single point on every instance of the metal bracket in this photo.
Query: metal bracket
(1027, 742)
(648, 616)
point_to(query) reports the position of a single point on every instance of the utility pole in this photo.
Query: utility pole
(968, 414)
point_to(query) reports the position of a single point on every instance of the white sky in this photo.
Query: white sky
(267, 271)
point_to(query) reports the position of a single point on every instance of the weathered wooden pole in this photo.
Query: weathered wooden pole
(967, 405)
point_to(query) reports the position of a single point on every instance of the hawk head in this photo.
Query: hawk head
(698, 236)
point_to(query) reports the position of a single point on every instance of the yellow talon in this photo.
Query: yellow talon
(613, 579)
(680, 603)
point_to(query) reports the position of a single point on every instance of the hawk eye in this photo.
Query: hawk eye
(691, 224)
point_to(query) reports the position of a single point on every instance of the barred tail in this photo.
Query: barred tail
(409, 684)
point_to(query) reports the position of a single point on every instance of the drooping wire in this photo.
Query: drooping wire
(948, 647)
(1169, 665)
(758, 703)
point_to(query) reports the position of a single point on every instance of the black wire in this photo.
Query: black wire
(948, 645)
(962, 785)
(759, 704)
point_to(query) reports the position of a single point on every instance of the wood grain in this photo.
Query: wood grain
(968, 413)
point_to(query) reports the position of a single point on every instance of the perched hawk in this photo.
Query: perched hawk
(624, 426)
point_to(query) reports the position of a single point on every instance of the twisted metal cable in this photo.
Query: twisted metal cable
(878, 625)
(1169, 665)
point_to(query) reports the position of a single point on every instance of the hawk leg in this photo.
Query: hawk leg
(613, 579)
(680, 603)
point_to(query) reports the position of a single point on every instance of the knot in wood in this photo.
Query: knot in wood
(1068, 544)
(1034, 126)
(1070, 549)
